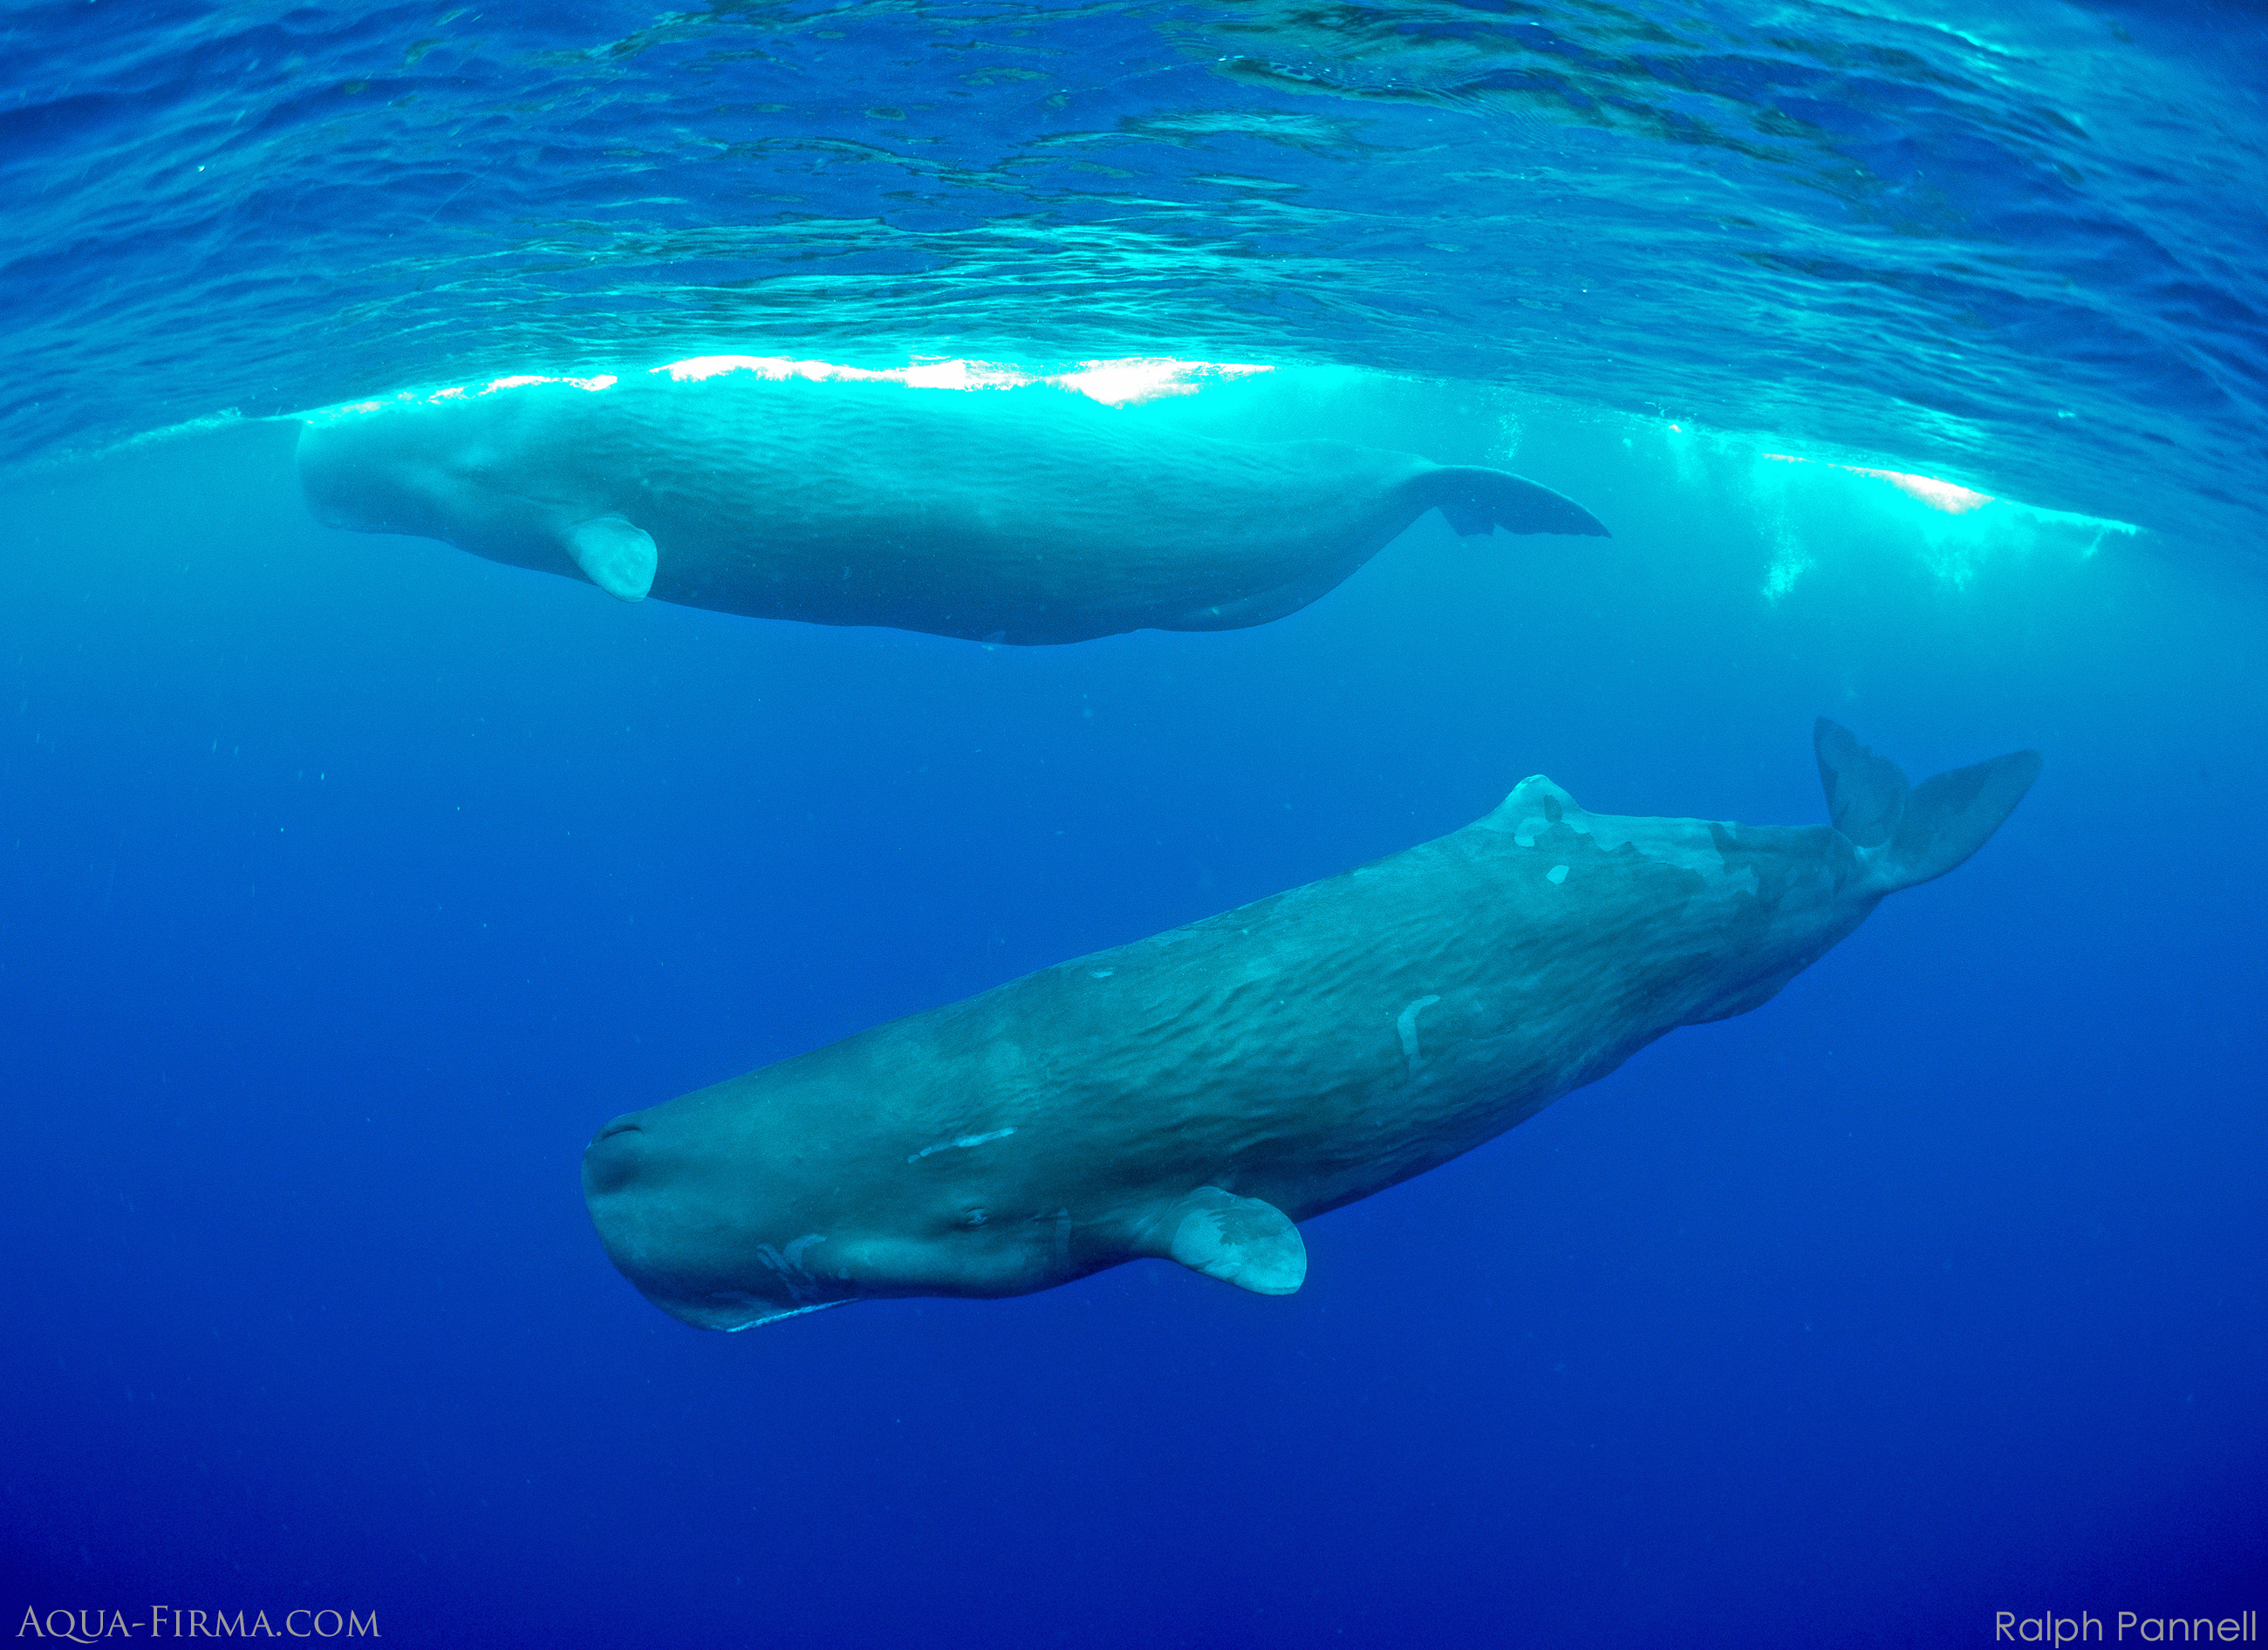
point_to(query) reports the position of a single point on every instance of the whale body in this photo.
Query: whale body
(1031, 515)
(1194, 1095)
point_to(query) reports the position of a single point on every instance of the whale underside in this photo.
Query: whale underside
(1026, 515)
(1192, 1096)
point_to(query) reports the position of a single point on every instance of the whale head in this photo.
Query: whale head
(704, 1234)
(490, 479)
(384, 472)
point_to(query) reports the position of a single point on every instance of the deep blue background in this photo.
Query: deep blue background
(352, 881)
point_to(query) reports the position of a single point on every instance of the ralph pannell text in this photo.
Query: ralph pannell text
(2126, 1628)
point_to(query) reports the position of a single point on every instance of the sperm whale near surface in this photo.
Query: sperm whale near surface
(1192, 1096)
(1028, 515)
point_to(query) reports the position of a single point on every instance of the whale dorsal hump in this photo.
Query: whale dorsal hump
(1242, 1241)
(1534, 806)
(616, 554)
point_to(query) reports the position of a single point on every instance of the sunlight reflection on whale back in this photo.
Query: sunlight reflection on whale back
(1126, 381)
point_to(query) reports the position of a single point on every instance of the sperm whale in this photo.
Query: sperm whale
(1192, 1096)
(1023, 516)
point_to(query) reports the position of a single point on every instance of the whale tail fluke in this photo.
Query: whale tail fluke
(1475, 500)
(1914, 833)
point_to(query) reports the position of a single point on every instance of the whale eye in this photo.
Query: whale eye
(975, 1217)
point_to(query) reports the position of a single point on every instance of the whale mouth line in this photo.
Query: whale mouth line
(614, 1128)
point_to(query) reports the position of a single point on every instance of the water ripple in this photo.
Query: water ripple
(2025, 254)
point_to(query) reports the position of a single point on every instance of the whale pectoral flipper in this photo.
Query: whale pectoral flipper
(1473, 500)
(1242, 1241)
(616, 554)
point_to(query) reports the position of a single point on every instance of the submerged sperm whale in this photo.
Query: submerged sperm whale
(1194, 1094)
(1030, 515)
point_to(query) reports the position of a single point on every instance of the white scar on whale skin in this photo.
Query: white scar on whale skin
(962, 1144)
(1406, 1024)
(787, 1264)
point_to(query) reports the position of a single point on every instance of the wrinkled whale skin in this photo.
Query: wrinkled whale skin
(1194, 1094)
(1031, 515)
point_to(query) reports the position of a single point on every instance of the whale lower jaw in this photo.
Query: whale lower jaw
(1242, 1241)
(733, 1311)
(772, 1316)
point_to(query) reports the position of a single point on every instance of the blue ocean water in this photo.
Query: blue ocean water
(353, 881)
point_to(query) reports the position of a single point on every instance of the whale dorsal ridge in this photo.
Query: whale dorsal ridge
(1242, 1241)
(616, 554)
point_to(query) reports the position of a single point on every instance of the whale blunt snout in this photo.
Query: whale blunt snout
(626, 1187)
(705, 1260)
(611, 1161)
